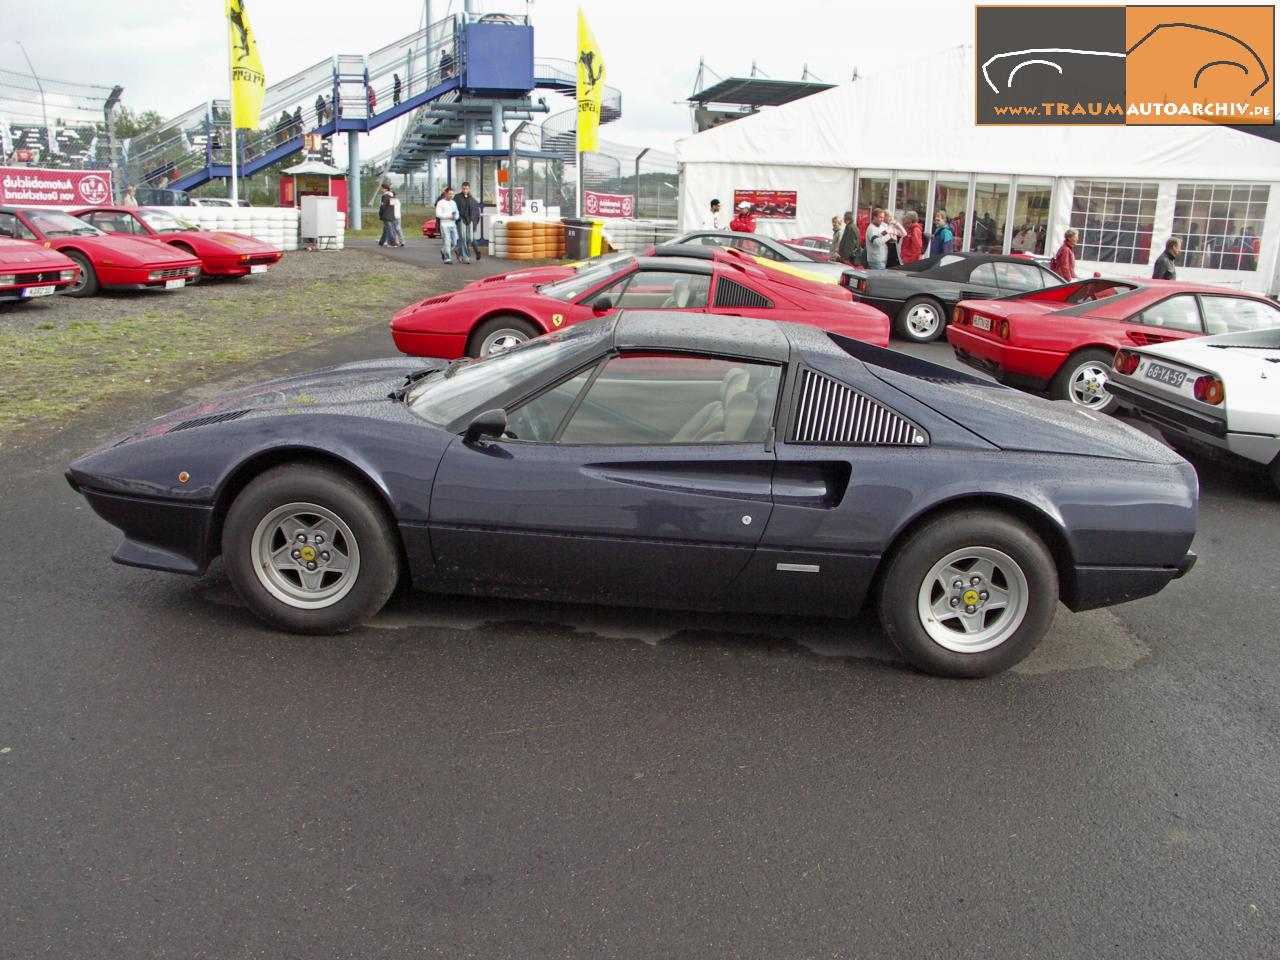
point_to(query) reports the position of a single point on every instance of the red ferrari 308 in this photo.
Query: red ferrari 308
(497, 313)
(221, 253)
(104, 260)
(28, 271)
(1064, 338)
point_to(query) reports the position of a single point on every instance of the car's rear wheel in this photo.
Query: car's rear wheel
(922, 320)
(1083, 380)
(968, 594)
(1275, 473)
(500, 333)
(308, 550)
(86, 282)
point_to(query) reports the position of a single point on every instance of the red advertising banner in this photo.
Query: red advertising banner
(34, 186)
(608, 204)
(504, 200)
(768, 204)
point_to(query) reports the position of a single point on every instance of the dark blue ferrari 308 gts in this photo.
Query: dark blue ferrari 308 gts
(736, 464)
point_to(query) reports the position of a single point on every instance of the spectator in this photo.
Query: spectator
(849, 247)
(744, 222)
(297, 122)
(943, 239)
(913, 238)
(282, 127)
(395, 224)
(387, 214)
(897, 232)
(320, 107)
(714, 220)
(130, 198)
(1064, 261)
(446, 63)
(833, 251)
(372, 98)
(395, 89)
(468, 220)
(877, 241)
(1166, 263)
(447, 221)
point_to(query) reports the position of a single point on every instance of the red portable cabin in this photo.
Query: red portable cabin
(313, 178)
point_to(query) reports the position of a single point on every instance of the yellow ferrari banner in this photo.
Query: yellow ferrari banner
(590, 86)
(248, 82)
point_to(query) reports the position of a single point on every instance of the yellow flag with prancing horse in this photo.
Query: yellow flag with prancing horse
(590, 86)
(248, 82)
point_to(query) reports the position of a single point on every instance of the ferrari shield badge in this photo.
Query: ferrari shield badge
(557, 319)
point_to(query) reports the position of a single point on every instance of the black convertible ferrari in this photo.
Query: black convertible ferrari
(920, 296)
(738, 464)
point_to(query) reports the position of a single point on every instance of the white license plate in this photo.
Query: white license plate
(982, 323)
(258, 268)
(175, 283)
(38, 291)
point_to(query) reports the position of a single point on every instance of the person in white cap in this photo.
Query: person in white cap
(744, 222)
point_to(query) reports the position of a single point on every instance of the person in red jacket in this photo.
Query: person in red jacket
(743, 221)
(912, 245)
(1064, 261)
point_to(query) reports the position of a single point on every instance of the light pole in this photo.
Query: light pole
(109, 110)
(44, 113)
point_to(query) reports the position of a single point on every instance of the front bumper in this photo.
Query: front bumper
(445, 346)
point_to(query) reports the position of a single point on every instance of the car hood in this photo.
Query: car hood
(1013, 420)
(238, 242)
(143, 250)
(23, 255)
(336, 390)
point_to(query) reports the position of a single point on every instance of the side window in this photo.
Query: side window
(1018, 276)
(660, 290)
(1232, 314)
(540, 418)
(984, 273)
(8, 225)
(1176, 313)
(676, 398)
(755, 248)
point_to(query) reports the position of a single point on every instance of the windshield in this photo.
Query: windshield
(55, 224)
(162, 222)
(573, 287)
(447, 394)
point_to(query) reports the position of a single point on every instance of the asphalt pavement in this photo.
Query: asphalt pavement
(479, 778)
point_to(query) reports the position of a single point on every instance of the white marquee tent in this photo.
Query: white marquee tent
(909, 137)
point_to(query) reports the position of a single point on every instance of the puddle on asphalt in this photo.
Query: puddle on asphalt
(1095, 639)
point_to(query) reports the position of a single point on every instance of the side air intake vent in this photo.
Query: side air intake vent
(830, 412)
(208, 421)
(730, 293)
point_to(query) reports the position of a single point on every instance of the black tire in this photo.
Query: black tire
(368, 530)
(1076, 370)
(909, 324)
(86, 282)
(505, 324)
(1275, 473)
(911, 565)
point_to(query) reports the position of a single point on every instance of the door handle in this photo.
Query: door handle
(811, 483)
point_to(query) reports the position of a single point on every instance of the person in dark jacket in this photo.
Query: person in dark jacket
(387, 214)
(320, 108)
(943, 239)
(468, 219)
(847, 252)
(395, 90)
(1166, 263)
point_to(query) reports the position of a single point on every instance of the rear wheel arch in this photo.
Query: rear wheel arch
(259, 463)
(1040, 523)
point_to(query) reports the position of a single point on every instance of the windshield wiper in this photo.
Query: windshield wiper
(399, 393)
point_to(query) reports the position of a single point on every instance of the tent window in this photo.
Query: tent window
(990, 217)
(1220, 224)
(1114, 220)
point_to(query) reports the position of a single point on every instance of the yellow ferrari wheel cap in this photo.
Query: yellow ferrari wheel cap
(308, 553)
(970, 597)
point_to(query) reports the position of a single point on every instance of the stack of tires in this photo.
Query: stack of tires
(520, 240)
(557, 233)
(289, 225)
(498, 238)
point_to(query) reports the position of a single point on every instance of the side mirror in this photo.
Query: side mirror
(491, 423)
(602, 305)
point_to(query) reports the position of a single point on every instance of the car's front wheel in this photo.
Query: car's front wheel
(968, 594)
(1083, 380)
(308, 550)
(922, 320)
(86, 282)
(1275, 472)
(500, 333)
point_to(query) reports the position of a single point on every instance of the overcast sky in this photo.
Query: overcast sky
(169, 56)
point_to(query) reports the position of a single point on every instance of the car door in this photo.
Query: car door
(1018, 277)
(658, 289)
(1173, 318)
(645, 476)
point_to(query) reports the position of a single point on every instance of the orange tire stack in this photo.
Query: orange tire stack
(557, 231)
(520, 240)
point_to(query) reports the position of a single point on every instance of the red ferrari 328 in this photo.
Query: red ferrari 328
(498, 312)
(1064, 338)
